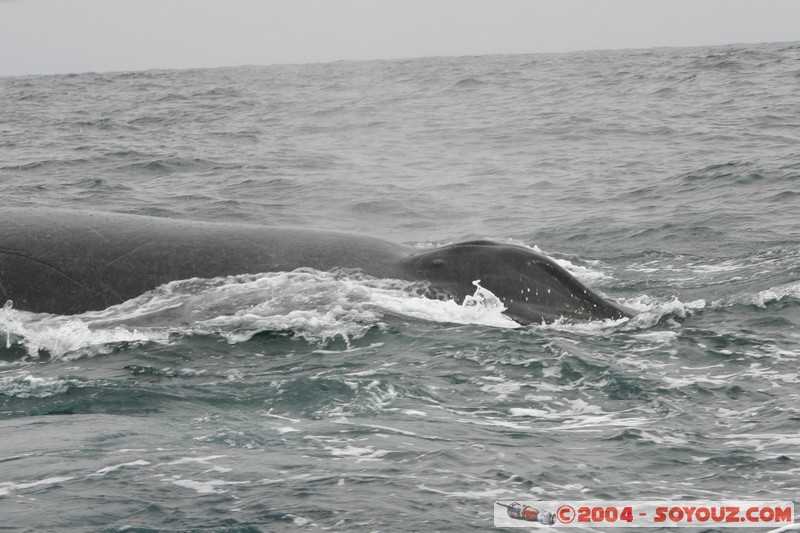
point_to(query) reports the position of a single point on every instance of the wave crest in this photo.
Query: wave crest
(318, 307)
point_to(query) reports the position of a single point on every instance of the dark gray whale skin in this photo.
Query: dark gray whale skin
(68, 262)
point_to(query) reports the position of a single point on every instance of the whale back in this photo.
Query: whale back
(68, 262)
(533, 287)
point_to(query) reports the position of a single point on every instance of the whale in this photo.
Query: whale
(69, 262)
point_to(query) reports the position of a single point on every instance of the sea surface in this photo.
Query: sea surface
(668, 179)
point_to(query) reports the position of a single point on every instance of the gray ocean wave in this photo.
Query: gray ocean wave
(666, 178)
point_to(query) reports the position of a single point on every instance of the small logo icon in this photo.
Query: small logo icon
(526, 512)
(565, 514)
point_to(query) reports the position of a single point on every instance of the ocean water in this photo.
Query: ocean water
(668, 179)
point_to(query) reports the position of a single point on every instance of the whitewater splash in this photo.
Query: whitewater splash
(315, 306)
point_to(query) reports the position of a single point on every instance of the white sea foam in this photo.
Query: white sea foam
(652, 311)
(25, 385)
(589, 274)
(106, 470)
(62, 335)
(316, 306)
(776, 294)
(200, 460)
(214, 486)
(7, 488)
(763, 297)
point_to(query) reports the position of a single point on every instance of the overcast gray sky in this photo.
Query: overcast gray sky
(61, 36)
